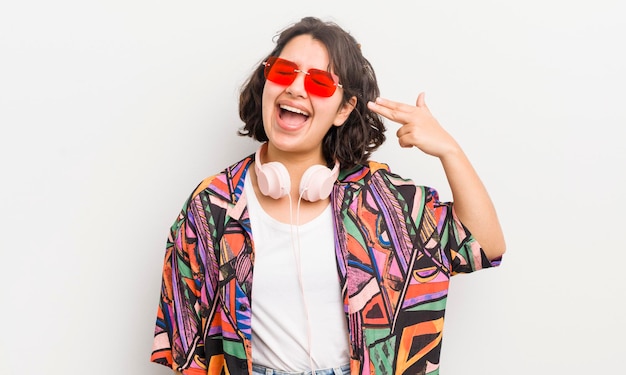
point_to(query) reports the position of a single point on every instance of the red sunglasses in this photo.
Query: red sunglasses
(316, 81)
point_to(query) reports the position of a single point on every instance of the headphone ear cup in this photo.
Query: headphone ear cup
(317, 182)
(273, 179)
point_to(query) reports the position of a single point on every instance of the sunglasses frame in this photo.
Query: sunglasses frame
(309, 82)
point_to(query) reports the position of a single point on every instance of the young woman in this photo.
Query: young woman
(306, 257)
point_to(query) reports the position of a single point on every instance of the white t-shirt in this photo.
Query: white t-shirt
(281, 327)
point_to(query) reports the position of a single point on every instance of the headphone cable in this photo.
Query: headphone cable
(297, 252)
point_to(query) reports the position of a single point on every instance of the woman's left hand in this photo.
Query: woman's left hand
(418, 128)
(471, 201)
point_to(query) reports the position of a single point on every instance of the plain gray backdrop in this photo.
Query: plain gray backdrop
(112, 111)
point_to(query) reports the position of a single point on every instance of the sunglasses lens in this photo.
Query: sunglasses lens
(280, 71)
(320, 83)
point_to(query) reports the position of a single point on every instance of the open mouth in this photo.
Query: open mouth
(292, 116)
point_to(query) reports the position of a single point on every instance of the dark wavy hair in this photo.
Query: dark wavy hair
(363, 132)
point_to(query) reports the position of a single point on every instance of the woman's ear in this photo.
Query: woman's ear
(344, 111)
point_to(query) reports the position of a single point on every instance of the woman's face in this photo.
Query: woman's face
(294, 120)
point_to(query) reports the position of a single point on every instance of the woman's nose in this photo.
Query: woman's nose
(296, 88)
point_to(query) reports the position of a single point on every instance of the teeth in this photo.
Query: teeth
(292, 109)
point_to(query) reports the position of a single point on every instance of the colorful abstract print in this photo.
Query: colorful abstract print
(396, 248)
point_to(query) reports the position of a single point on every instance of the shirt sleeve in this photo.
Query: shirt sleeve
(177, 336)
(465, 253)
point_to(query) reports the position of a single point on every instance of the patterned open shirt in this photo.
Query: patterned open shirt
(396, 247)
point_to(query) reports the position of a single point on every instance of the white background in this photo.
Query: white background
(112, 111)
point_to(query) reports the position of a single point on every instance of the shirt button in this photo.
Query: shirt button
(243, 307)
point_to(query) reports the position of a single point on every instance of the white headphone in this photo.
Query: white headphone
(274, 181)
